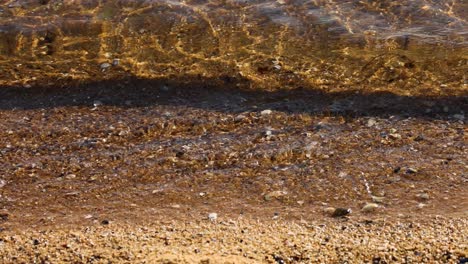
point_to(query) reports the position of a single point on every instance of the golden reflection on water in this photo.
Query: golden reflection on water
(407, 47)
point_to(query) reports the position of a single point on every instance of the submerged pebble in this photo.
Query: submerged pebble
(411, 170)
(341, 212)
(104, 66)
(212, 216)
(370, 207)
(423, 196)
(274, 195)
(378, 199)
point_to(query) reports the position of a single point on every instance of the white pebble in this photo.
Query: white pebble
(213, 216)
(105, 66)
(369, 207)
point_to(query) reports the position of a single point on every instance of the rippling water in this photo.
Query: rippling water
(402, 45)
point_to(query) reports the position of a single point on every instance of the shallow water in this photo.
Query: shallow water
(407, 47)
(120, 109)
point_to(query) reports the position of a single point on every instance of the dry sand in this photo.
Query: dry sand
(439, 240)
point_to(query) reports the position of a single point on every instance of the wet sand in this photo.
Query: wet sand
(105, 172)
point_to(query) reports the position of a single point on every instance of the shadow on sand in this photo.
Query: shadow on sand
(227, 94)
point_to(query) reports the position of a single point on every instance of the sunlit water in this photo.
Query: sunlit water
(404, 45)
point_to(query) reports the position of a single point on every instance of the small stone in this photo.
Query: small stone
(369, 207)
(104, 66)
(105, 222)
(423, 196)
(212, 217)
(341, 212)
(411, 170)
(116, 62)
(266, 112)
(165, 88)
(300, 202)
(4, 216)
(2, 183)
(97, 103)
(342, 174)
(175, 206)
(239, 118)
(70, 176)
(329, 210)
(378, 199)
(275, 216)
(274, 195)
(421, 205)
(89, 216)
(394, 136)
(371, 122)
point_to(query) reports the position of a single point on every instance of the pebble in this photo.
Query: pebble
(116, 62)
(274, 195)
(378, 199)
(268, 133)
(371, 122)
(212, 216)
(266, 112)
(4, 216)
(423, 196)
(70, 176)
(411, 170)
(329, 210)
(97, 103)
(340, 212)
(2, 183)
(369, 207)
(104, 66)
(239, 118)
(394, 136)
